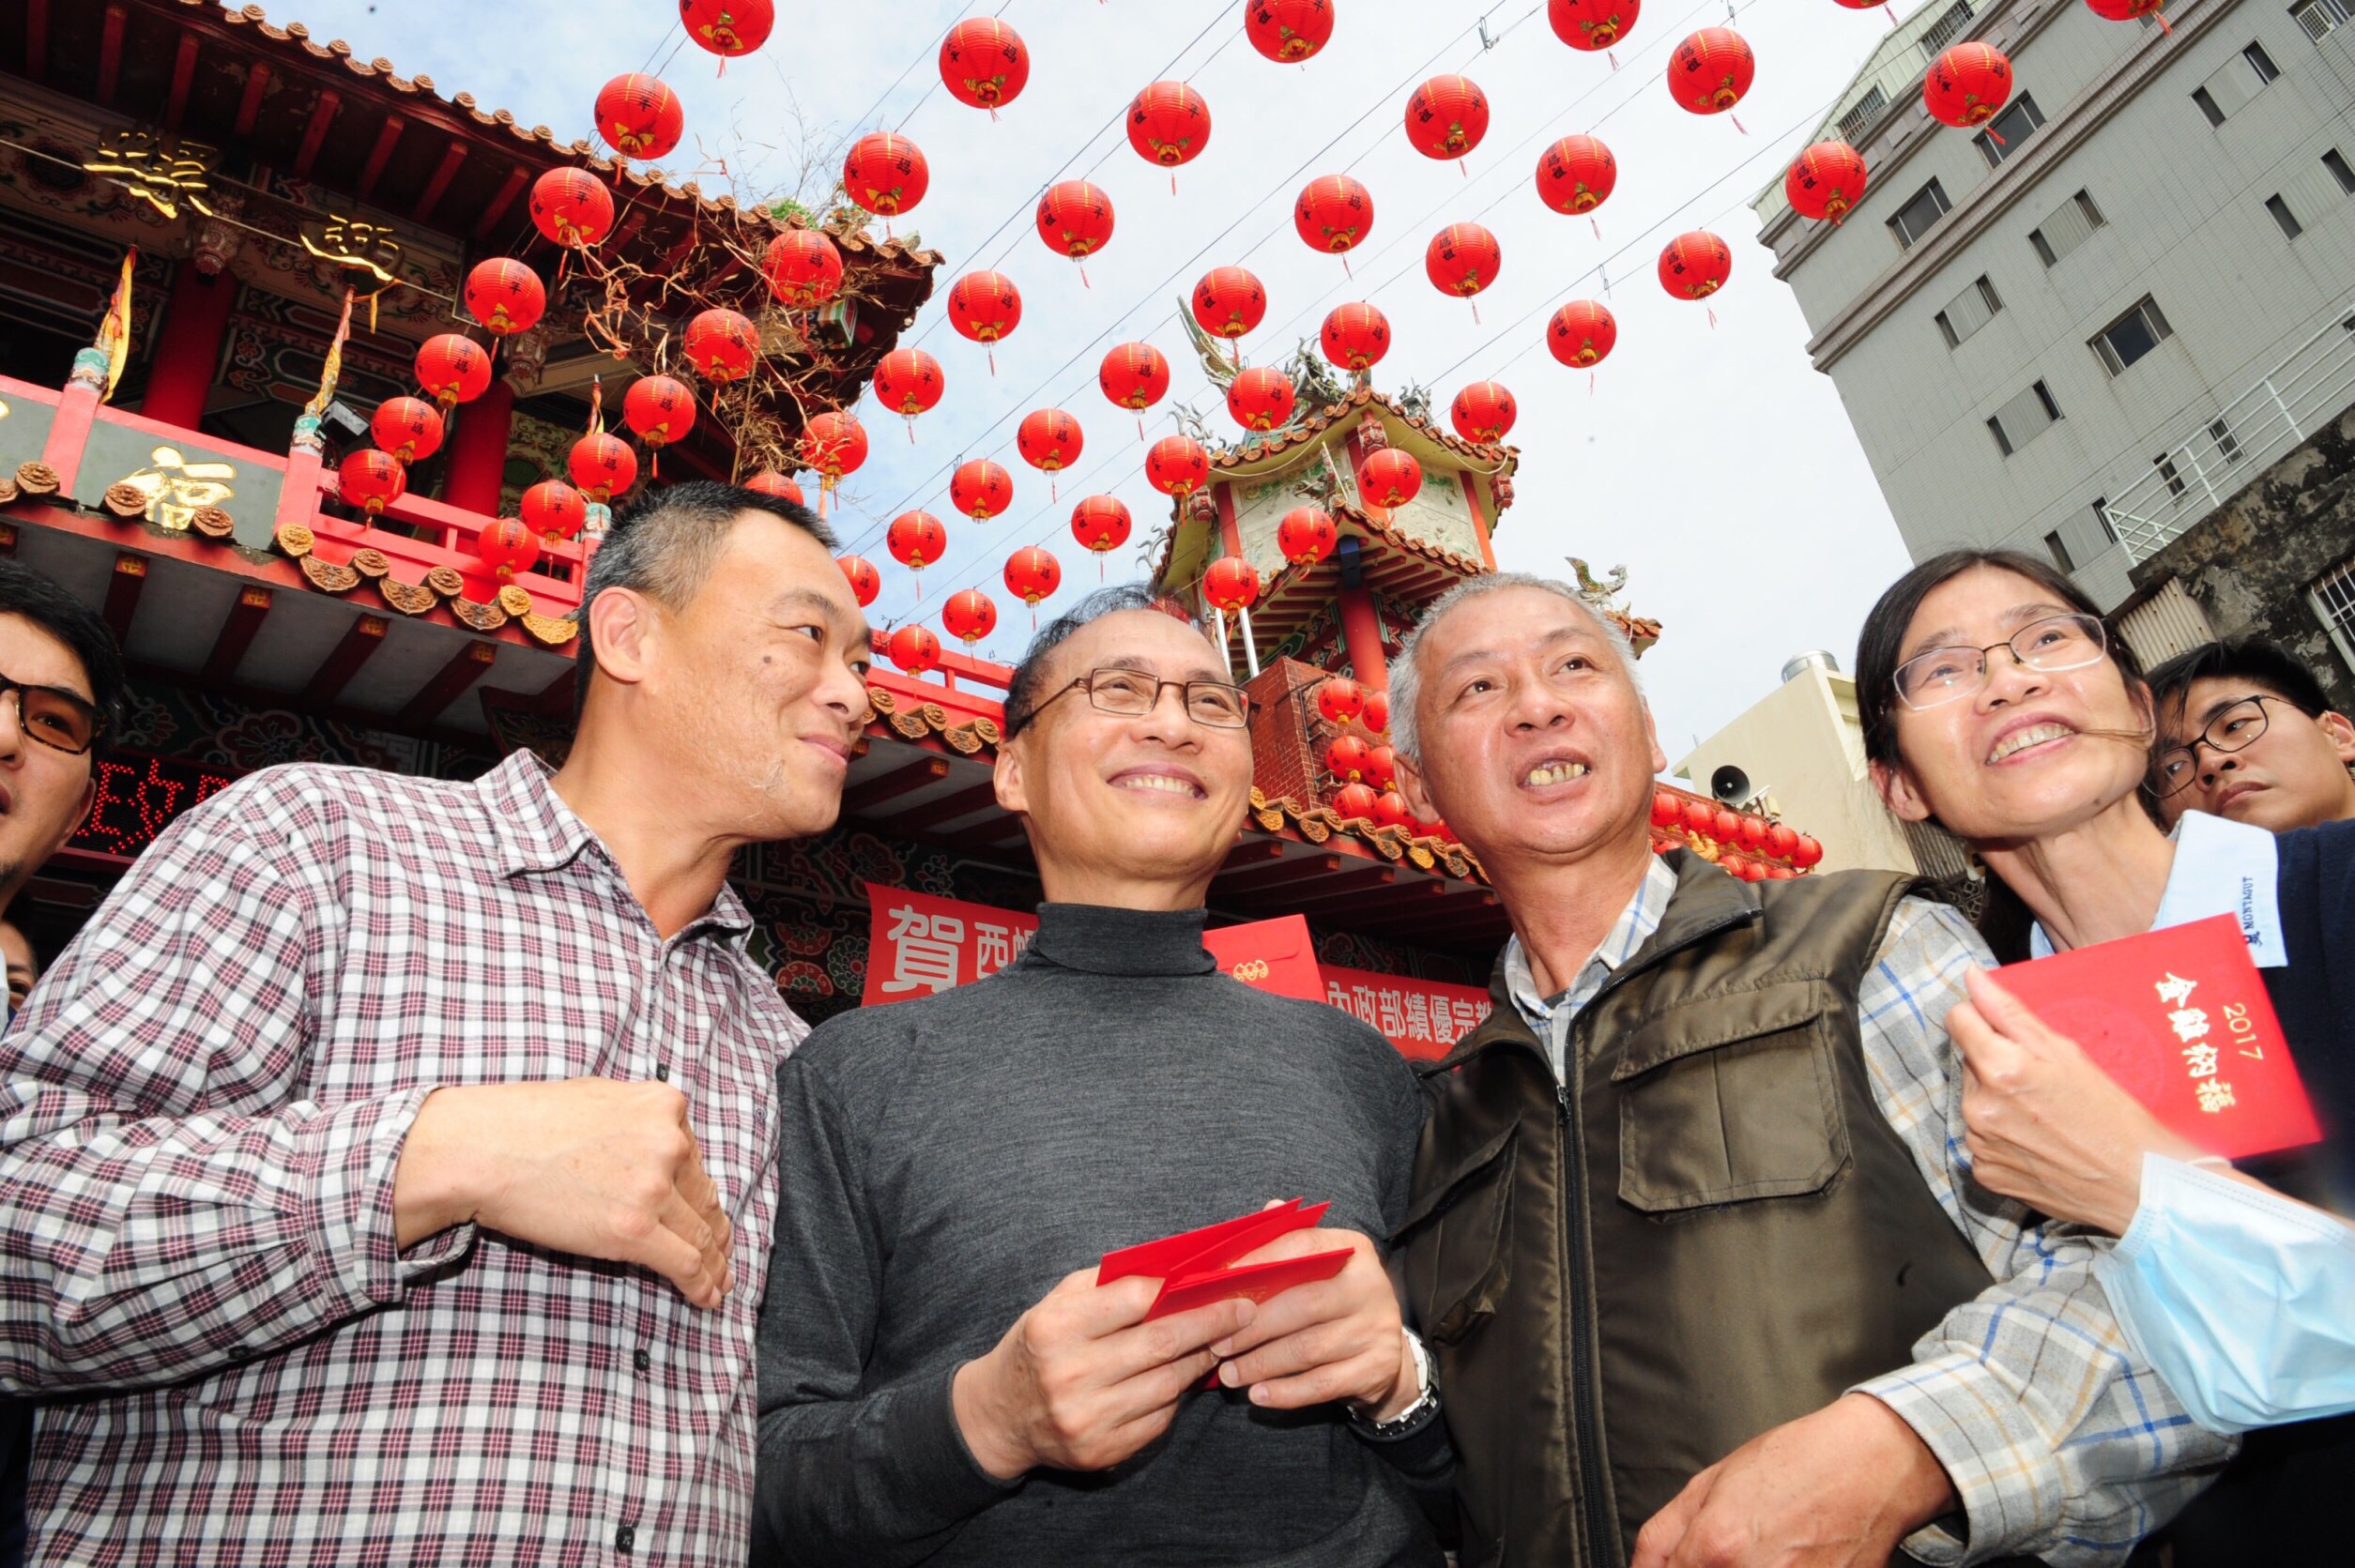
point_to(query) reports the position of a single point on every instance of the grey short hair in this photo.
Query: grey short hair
(1022, 687)
(1406, 674)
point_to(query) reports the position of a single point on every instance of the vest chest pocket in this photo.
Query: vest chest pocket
(1731, 1100)
(1454, 1244)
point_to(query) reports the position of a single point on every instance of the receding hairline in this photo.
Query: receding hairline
(1210, 667)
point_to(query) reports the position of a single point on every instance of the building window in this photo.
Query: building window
(2261, 63)
(2130, 336)
(2208, 106)
(2060, 551)
(2164, 462)
(2228, 445)
(2336, 163)
(2292, 228)
(1942, 32)
(2007, 130)
(2235, 84)
(2333, 599)
(2319, 17)
(2101, 518)
(2024, 419)
(2069, 226)
(1967, 312)
(1854, 124)
(1916, 217)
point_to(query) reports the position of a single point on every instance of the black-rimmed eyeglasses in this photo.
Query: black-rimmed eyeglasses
(59, 719)
(1945, 675)
(1132, 694)
(2233, 728)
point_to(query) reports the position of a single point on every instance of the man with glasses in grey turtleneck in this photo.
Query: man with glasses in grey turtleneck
(942, 1378)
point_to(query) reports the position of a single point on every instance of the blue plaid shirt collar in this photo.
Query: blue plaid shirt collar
(1551, 1017)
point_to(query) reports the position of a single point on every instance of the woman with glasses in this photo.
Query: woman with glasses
(1994, 703)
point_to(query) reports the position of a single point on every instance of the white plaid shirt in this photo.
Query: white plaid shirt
(2061, 1443)
(201, 1112)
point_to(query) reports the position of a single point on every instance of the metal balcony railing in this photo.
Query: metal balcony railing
(2152, 503)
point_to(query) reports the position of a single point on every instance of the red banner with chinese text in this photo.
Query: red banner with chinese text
(1423, 1018)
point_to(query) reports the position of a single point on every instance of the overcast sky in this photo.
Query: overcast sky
(1712, 462)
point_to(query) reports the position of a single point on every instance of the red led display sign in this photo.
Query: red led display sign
(138, 797)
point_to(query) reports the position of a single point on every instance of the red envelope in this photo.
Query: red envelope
(1215, 1246)
(1274, 955)
(2179, 1019)
(1257, 1282)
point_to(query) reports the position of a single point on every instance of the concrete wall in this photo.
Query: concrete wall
(2186, 222)
(1801, 744)
(2249, 563)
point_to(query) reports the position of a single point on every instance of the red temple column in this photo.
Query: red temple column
(1361, 634)
(189, 346)
(478, 451)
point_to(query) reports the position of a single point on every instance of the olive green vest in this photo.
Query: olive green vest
(1709, 1230)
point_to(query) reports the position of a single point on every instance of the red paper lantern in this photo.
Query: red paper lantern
(770, 482)
(602, 466)
(1389, 478)
(370, 479)
(1168, 124)
(1133, 375)
(908, 381)
(1462, 259)
(554, 510)
(658, 409)
(727, 27)
(1695, 266)
(1288, 30)
(1356, 336)
(1049, 441)
(1711, 70)
(1752, 831)
(1825, 180)
(1780, 841)
(572, 206)
(1339, 699)
(865, 582)
(1346, 758)
(885, 173)
(1667, 811)
(409, 428)
(1806, 853)
(453, 369)
(984, 307)
(1231, 584)
(969, 616)
(982, 64)
(1101, 524)
(1581, 333)
(1967, 84)
(1377, 713)
(507, 546)
(638, 116)
(1261, 398)
(1446, 116)
(1075, 219)
(916, 539)
(1576, 175)
(833, 443)
(1725, 827)
(2129, 10)
(1032, 574)
(1228, 302)
(1483, 412)
(1334, 213)
(1355, 802)
(1390, 807)
(1306, 535)
(980, 489)
(722, 345)
(505, 295)
(1595, 25)
(914, 649)
(1177, 466)
(1700, 816)
(803, 268)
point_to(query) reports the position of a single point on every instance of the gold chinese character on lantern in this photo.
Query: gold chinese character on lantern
(176, 490)
(159, 172)
(355, 243)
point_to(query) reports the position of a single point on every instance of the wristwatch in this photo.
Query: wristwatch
(1414, 1416)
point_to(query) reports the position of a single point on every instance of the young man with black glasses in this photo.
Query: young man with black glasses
(61, 679)
(942, 1377)
(2246, 732)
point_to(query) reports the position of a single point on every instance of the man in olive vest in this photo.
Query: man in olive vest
(1691, 1233)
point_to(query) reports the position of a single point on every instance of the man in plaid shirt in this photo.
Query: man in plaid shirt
(378, 1168)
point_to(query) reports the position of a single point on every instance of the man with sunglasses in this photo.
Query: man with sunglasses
(2246, 732)
(61, 681)
(942, 1378)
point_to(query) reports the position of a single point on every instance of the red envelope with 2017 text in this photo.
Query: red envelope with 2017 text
(2179, 1019)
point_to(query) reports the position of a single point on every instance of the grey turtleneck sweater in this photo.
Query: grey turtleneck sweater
(945, 1162)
